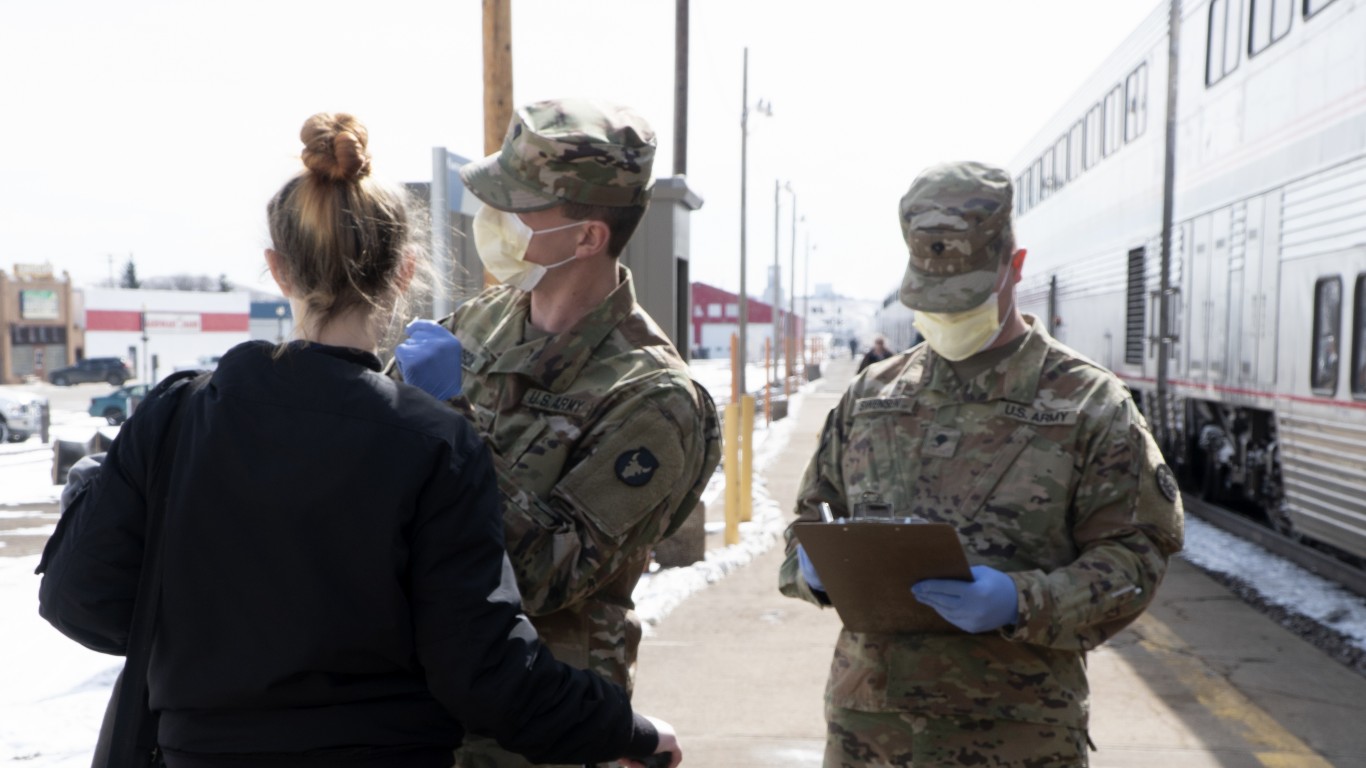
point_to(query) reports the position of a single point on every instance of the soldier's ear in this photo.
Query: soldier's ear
(594, 237)
(1017, 261)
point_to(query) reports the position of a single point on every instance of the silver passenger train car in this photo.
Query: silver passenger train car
(1264, 397)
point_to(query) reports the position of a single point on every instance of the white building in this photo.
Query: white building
(155, 331)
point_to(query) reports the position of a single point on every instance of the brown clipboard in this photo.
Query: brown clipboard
(868, 568)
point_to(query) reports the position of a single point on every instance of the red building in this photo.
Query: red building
(716, 315)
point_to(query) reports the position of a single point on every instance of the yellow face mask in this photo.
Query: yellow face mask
(959, 335)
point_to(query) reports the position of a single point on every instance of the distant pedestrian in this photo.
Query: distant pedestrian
(1042, 462)
(602, 441)
(336, 589)
(877, 354)
(853, 347)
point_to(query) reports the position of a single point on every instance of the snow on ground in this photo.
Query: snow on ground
(662, 591)
(1278, 581)
(53, 691)
(26, 468)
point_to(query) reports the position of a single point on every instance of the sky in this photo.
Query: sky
(158, 130)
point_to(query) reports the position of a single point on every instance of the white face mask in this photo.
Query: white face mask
(959, 335)
(502, 239)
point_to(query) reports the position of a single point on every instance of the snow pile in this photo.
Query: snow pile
(659, 593)
(52, 691)
(1277, 581)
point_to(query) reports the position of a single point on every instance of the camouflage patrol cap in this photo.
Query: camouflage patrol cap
(956, 222)
(567, 151)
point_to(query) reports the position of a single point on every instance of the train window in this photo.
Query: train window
(1312, 7)
(1359, 338)
(1225, 33)
(1136, 103)
(1076, 149)
(1046, 186)
(1270, 22)
(1114, 121)
(1021, 183)
(1323, 367)
(1060, 163)
(1093, 126)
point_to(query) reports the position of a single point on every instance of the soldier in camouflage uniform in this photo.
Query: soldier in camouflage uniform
(601, 440)
(1042, 462)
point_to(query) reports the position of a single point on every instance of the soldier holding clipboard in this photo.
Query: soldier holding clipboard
(1021, 456)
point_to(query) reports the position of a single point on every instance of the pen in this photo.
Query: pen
(826, 515)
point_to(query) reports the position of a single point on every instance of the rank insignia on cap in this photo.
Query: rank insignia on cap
(1166, 482)
(636, 466)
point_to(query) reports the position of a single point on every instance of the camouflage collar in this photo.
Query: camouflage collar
(554, 362)
(1019, 382)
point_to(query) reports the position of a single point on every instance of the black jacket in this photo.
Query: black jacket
(334, 574)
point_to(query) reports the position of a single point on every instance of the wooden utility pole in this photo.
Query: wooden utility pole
(497, 80)
(497, 72)
(680, 87)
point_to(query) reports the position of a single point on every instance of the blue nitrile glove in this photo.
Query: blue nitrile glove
(429, 359)
(987, 602)
(809, 570)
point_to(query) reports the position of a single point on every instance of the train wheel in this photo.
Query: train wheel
(1211, 478)
(1279, 519)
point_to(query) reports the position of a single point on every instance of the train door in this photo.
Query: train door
(1197, 299)
(1263, 302)
(1217, 330)
(1209, 297)
(1240, 276)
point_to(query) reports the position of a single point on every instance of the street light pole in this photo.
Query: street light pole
(792, 288)
(806, 296)
(146, 361)
(744, 189)
(777, 280)
(764, 108)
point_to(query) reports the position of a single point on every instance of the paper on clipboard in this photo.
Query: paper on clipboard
(868, 569)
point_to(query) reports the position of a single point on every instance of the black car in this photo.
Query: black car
(110, 369)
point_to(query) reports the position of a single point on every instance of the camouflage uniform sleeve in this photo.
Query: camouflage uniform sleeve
(638, 470)
(821, 483)
(1126, 523)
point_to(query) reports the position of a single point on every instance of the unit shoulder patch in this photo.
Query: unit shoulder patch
(636, 467)
(1166, 483)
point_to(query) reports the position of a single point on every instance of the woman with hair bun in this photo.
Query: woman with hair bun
(334, 588)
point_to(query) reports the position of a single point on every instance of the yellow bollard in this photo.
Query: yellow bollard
(731, 451)
(746, 457)
(768, 395)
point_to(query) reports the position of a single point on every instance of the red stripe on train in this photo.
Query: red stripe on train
(1252, 392)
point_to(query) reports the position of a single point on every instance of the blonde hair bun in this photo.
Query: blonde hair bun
(335, 146)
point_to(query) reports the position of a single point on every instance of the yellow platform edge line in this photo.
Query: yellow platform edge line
(1276, 747)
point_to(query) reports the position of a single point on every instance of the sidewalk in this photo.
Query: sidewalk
(739, 669)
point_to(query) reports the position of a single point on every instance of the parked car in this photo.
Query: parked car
(111, 369)
(117, 405)
(205, 363)
(21, 415)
